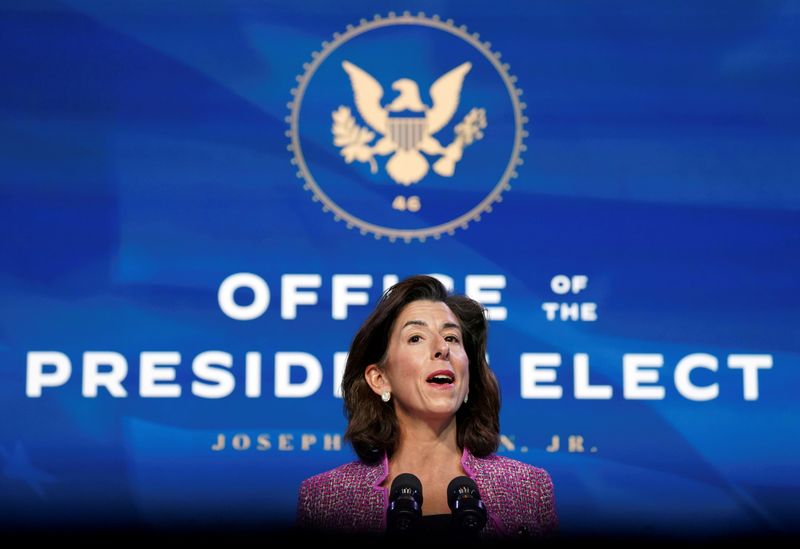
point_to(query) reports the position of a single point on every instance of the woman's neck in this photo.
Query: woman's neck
(433, 456)
(422, 445)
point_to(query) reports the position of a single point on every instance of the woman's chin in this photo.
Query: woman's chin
(441, 408)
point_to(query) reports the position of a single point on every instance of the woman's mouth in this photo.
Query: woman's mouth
(441, 377)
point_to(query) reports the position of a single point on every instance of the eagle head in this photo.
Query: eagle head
(409, 99)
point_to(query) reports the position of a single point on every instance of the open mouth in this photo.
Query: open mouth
(441, 378)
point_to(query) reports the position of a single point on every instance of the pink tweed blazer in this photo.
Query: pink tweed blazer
(518, 497)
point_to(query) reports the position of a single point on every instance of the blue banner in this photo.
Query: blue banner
(200, 202)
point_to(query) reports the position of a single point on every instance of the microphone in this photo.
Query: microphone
(469, 513)
(405, 505)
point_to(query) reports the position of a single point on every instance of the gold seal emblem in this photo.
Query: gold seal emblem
(412, 166)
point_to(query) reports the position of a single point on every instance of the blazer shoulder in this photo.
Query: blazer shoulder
(514, 467)
(332, 481)
(522, 487)
(338, 474)
(322, 496)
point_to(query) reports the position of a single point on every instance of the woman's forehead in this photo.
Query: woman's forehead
(423, 311)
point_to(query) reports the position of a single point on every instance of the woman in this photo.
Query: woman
(420, 398)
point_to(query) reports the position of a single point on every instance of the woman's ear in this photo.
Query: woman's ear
(376, 380)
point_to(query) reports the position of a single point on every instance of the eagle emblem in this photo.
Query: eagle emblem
(406, 126)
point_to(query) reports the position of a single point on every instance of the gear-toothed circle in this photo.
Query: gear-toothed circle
(359, 185)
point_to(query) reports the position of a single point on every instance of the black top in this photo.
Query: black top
(436, 524)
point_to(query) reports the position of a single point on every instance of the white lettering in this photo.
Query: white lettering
(155, 367)
(634, 374)
(579, 283)
(243, 312)
(560, 284)
(284, 388)
(683, 381)
(588, 312)
(750, 365)
(223, 381)
(536, 368)
(483, 288)
(291, 297)
(339, 363)
(389, 281)
(342, 297)
(583, 389)
(570, 311)
(252, 365)
(111, 380)
(35, 376)
(550, 308)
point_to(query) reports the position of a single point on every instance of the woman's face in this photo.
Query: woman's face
(427, 368)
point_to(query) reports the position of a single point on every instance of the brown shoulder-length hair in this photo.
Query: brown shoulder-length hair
(372, 427)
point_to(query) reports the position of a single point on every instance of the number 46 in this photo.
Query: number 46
(411, 204)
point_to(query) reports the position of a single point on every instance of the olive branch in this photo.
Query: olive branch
(352, 138)
(469, 130)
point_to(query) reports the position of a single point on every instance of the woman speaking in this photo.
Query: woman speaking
(423, 407)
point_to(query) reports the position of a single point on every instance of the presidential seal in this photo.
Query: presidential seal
(406, 127)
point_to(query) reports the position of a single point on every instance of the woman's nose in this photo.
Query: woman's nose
(442, 349)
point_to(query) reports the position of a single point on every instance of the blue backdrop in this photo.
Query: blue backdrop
(629, 210)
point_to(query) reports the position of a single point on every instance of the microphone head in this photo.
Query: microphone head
(461, 487)
(404, 513)
(469, 513)
(408, 485)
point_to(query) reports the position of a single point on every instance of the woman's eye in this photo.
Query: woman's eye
(451, 338)
(414, 339)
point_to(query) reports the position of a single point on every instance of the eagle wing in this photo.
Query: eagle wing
(368, 93)
(445, 94)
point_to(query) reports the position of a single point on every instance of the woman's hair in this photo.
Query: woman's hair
(372, 427)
